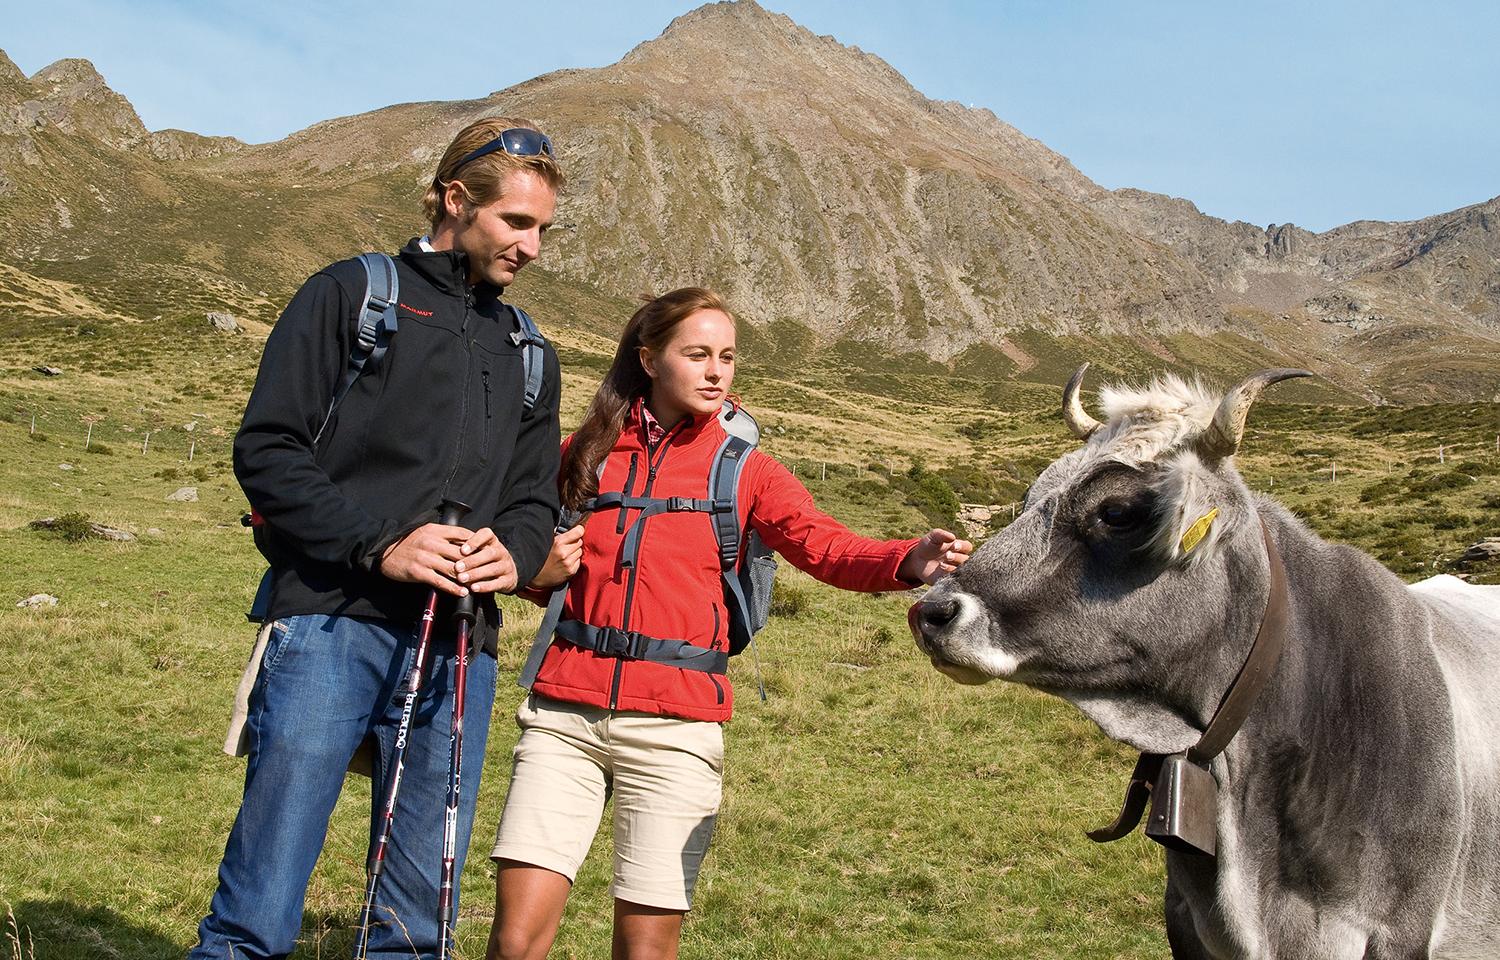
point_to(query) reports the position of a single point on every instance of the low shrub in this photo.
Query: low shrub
(73, 527)
(1439, 482)
(1449, 521)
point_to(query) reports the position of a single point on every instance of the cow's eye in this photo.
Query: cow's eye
(1121, 515)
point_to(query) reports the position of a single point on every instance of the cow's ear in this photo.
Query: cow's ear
(1186, 529)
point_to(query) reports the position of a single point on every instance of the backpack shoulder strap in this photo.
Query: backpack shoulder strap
(375, 324)
(529, 338)
(542, 641)
(724, 490)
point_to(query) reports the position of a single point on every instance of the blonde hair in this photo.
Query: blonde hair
(482, 179)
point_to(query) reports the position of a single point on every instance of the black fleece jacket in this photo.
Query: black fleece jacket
(441, 417)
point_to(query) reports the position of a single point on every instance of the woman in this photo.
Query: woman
(647, 732)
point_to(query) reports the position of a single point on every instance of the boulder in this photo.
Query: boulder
(184, 495)
(37, 601)
(224, 322)
(47, 371)
(1486, 549)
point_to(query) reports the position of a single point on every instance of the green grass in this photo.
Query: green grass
(873, 808)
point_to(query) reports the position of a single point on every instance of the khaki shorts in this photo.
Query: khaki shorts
(666, 777)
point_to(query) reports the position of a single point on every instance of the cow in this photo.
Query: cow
(1358, 805)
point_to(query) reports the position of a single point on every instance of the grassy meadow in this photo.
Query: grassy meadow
(873, 808)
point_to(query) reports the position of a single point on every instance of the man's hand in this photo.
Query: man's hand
(486, 567)
(562, 560)
(935, 556)
(451, 559)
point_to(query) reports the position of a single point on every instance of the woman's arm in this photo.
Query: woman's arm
(783, 513)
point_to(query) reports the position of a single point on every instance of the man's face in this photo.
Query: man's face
(502, 237)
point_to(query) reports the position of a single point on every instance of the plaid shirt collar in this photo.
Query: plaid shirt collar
(655, 432)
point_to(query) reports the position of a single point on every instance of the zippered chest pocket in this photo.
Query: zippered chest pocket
(499, 395)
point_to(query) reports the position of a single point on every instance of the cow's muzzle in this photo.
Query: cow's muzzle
(929, 618)
(932, 623)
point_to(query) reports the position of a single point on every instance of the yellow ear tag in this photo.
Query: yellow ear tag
(1197, 531)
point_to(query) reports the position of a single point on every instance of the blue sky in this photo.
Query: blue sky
(1313, 112)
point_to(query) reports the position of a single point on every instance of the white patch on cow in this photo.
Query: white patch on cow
(966, 643)
(1439, 926)
(1136, 722)
(1144, 422)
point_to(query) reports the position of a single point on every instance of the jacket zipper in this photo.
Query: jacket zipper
(484, 446)
(463, 411)
(654, 459)
(713, 644)
(629, 482)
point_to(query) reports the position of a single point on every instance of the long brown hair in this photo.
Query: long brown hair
(651, 327)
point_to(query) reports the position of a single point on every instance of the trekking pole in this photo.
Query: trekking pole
(463, 620)
(451, 513)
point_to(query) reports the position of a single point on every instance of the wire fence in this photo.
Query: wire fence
(198, 437)
(191, 439)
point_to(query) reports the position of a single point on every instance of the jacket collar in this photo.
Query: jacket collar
(687, 431)
(447, 270)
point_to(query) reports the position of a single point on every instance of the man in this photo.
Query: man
(348, 530)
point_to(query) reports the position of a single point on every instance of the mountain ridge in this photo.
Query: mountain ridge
(828, 192)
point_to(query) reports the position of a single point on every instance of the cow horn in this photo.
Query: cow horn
(1077, 418)
(1222, 438)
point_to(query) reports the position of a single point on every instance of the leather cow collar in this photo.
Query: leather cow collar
(1182, 792)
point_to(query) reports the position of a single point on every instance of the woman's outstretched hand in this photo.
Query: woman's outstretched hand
(562, 560)
(935, 556)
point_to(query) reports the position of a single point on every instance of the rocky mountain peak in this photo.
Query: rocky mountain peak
(10, 74)
(740, 44)
(74, 73)
(73, 97)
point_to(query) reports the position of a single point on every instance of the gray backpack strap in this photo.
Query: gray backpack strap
(723, 486)
(530, 339)
(542, 642)
(746, 565)
(376, 325)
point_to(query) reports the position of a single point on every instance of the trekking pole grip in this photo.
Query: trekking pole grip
(452, 511)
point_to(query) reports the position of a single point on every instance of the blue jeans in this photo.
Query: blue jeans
(325, 683)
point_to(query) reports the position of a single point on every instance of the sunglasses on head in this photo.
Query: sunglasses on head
(517, 141)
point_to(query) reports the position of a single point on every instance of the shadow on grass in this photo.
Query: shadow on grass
(59, 930)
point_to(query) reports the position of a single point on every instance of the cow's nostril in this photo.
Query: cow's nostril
(940, 613)
(934, 615)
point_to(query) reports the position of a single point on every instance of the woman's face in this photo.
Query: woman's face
(691, 373)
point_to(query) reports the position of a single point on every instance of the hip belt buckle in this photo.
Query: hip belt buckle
(619, 643)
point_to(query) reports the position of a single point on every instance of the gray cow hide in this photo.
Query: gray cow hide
(1359, 805)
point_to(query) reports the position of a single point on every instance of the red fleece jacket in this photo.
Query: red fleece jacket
(677, 592)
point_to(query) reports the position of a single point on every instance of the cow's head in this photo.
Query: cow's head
(1135, 576)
